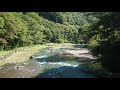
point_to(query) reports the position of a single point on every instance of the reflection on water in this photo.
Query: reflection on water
(46, 64)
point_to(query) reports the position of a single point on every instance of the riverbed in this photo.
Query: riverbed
(51, 63)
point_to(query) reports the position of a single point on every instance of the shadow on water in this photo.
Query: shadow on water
(65, 72)
(80, 46)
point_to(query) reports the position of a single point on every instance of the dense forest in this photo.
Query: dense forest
(22, 29)
(99, 30)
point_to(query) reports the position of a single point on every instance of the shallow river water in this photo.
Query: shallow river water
(47, 63)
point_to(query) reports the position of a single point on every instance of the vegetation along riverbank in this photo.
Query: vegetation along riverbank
(22, 34)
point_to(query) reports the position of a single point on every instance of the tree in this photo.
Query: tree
(106, 34)
(25, 28)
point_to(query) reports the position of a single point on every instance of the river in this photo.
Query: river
(48, 63)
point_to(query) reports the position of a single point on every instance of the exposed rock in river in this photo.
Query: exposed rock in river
(31, 57)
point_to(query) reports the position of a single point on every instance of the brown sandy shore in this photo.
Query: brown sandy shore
(82, 54)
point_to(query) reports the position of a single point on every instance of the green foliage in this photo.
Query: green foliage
(94, 44)
(73, 18)
(20, 29)
(106, 40)
(1, 22)
(3, 43)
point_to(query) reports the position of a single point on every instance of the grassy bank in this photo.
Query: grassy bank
(19, 55)
(22, 54)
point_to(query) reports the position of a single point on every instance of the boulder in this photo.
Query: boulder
(31, 57)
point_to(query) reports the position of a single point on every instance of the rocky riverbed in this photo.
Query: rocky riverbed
(60, 62)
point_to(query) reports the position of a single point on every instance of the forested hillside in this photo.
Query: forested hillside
(21, 29)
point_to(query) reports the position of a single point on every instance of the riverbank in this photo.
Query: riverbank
(22, 54)
(71, 54)
(97, 69)
(91, 65)
(83, 54)
(19, 55)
